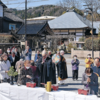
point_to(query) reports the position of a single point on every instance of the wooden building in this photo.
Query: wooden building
(36, 34)
(70, 26)
(9, 25)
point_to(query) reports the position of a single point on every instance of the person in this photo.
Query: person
(49, 54)
(27, 53)
(75, 67)
(26, 73)
(90, 81)
(62, 75)
(17, 53)
(96, 69)
(8, 51)
(35, 71)
(4, 68)
(19, 64)
(41, 66)
(89, 61)
(13, 59)
(0, 53)
(37, 56)
(45, 69)
(51, 68)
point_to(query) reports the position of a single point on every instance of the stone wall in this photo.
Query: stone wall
(83, 53)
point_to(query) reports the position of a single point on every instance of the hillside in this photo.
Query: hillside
(49, 10)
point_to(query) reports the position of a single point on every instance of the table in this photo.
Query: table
(14, 92)
(68, 95)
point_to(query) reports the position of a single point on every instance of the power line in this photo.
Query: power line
(24, 2)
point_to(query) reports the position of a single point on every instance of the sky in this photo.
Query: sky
(20, 4)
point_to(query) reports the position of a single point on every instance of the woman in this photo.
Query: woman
(4, 68)
(26, 73)
(62, 68)
(89, 61)
(90, 81)
(75, 65)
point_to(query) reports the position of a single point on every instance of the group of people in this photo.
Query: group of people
(39, 70)
(43, 68)
(90, 75)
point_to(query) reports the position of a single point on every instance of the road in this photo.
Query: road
(71, 85)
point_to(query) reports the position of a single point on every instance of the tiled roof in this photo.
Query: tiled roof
(69, 20)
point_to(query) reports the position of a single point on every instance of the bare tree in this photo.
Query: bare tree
(95, 3)
(70, 3)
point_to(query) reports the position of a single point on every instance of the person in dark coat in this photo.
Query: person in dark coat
(17, 53)
(35, 71)
(96, 69)
(90, 81)
(37, 56)
(45, 68)
(26, 73)
(51, 69)
(13, 59)
(75, 67)
(62, 74)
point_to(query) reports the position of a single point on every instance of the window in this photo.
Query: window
(1, 11)
(12, 27)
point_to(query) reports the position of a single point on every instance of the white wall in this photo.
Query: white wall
(1, 11)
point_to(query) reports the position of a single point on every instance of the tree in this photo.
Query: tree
(82, 39)
(70, 45)
(95, 3)
(70, 3)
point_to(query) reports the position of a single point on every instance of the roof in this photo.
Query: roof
(69, 20)
(32, 28)
(11, 17)
(1, 3)
(43, 18)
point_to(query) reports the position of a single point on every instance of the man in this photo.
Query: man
(27, 53)
(75, 67)
(51, 68)
(17, 53)
(13, 59)
(37, 56)
(96, 69)
(45, 69)
(62, 75)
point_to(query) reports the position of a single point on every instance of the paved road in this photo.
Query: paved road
(70, 84)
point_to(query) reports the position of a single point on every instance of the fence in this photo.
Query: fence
(83, 53)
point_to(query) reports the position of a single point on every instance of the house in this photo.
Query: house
(35, 35)
(9, 25)
(70, 27)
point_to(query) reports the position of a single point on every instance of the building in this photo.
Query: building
(70, 27)
(35, 35)
(9, 25)
(41, 19)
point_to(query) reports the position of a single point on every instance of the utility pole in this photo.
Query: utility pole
(92, 33)
(25, 23)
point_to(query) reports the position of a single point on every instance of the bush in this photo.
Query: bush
(70, 45)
